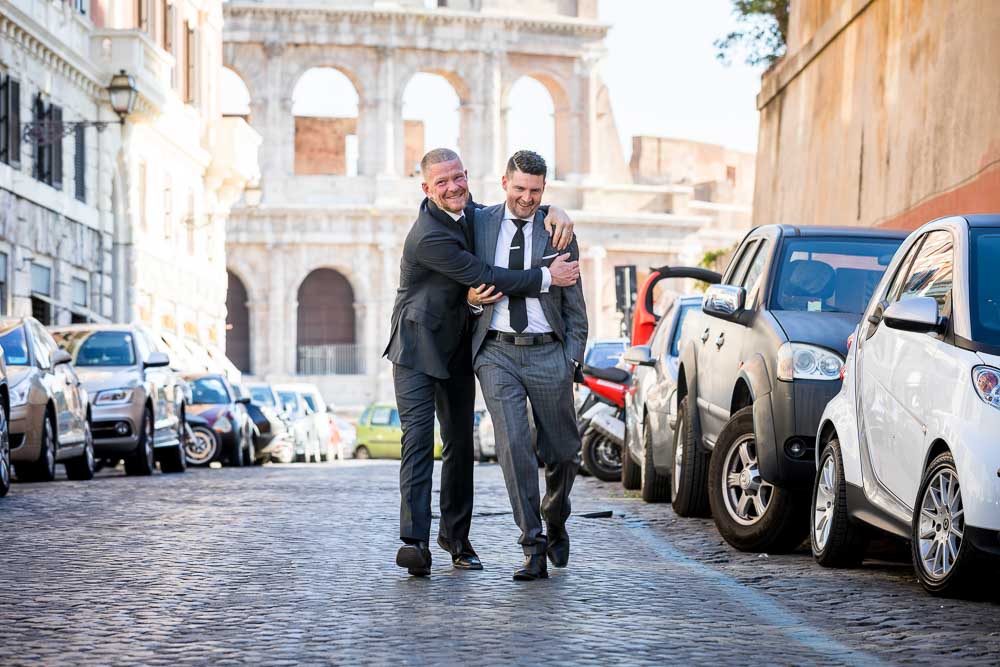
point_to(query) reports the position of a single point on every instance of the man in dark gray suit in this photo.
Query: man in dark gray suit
(528, 348)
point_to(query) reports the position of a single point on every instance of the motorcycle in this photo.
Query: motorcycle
(601, 419)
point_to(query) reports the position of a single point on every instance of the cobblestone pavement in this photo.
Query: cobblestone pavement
(294, 565)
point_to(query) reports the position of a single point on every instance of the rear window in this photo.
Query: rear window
(15, 348)
(830, 275)
(985, 301)
(209, 391)
(98, 348)
(604, 355)
(262, 396)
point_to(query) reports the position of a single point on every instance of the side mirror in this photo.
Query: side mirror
(61, 356)
(638, 355)
(156, 360)
(724, 301)
(917, 313)
(245, 400)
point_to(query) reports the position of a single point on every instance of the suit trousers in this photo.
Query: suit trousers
(510, 377)
(418, 395)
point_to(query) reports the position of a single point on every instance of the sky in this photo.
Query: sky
(660, 68)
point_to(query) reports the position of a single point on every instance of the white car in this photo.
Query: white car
(910, 444)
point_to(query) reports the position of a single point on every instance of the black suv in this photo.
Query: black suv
(758, 364)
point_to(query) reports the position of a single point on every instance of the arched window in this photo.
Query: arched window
(325, 106)
(326, 329)
(237, 324)
(235, 95)
(530, 121)
(430, 118)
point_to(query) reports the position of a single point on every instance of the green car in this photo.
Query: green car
(380, 434)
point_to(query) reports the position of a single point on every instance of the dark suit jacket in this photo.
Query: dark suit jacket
(564, 307)
(430, 331)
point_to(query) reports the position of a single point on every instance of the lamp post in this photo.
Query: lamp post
(122, 94)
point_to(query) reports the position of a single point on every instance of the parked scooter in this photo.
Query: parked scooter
(601, 418)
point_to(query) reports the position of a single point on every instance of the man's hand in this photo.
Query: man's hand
(559, 227)
(483, 295)
(564, 272)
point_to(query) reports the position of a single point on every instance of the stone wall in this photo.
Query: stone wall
(727, 174)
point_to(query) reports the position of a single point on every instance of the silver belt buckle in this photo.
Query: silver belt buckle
(524, 340)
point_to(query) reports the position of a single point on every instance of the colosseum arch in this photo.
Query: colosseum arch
(326, 332)
(431, 115)
(523, 99)
(237, 100)
(326, 104)
(238, 322)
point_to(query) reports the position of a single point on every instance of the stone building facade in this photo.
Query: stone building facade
(883, 112)
(315, 266)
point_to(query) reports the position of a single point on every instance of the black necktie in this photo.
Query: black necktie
(463, 222)
(517, 306)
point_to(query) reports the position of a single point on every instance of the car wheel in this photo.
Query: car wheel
(362, 452)
(142, 461)
(202, 447)
(602, 456)
(837, 540)
(236, 455)
(689, 481)
(174, 459)
(750, 513)
(946, 563)
(44, 469)
(5, 471)
(82, 467)
(631, 473)
(654, 487)
(251, 457)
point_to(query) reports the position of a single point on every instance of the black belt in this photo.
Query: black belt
(521, 339)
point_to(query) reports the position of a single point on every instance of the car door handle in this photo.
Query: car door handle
(704, 336)
(720, 341)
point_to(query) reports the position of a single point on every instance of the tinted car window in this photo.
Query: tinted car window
(40, 345)
(830, 275)
(381, 416)
(394, 419)
(931, 273)
(262, 395)
(985, 300)
(99, 348)
(604, 355)
(675, 342)
(209, 390)
(736, 276)
(15, 347)
(756, 271)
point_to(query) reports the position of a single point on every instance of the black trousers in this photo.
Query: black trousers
(418, 395)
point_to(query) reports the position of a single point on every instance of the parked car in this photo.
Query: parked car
(6, 471)
(485, 438)
(306, 439)
(320, 413)
(223, 430)
(380, 434)
(347, 437)
(758, 364)
(49, 408)
(275, 439)
(909, 445)
(605, 352)
(137, 406)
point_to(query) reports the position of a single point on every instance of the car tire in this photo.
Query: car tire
(174, 459)
(202, 448)
(750, 513)
(82, 467)
(689, 480)
(236, 458)
(251, 455)
(631, 472)
(44, 469)
(5, 467)
(598, 455)
(837, 540)
(961, 564)
(362, 453)
(142, 462)
(654, 487)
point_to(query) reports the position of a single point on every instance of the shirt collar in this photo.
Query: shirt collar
(454, 216)
(509, 215)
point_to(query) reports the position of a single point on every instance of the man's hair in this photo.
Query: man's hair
(435, 156)
(527, 162)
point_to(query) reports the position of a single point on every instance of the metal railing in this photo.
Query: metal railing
(337, 359)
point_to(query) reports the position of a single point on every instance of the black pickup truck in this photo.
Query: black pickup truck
(758, 364)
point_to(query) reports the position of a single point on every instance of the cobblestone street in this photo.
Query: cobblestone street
(294, 565)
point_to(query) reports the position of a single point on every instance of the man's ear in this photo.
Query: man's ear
(427, 190)
(503, 182)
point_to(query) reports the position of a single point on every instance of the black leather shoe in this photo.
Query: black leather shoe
(416, 558)
(534, 568)
(558, 549)
(463, 558)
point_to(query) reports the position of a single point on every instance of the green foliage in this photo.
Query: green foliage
(716, 261)
(762, 33)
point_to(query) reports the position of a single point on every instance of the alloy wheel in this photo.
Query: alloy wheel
(50, 454)
(200, 448)
(4, 461)
(608, 455)
(942, 524)
(823, 502)
(746, 495)
(150, 456)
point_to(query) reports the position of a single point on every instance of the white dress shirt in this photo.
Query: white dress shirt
(537, 323)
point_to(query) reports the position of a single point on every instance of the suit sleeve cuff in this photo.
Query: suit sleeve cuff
(476, 310)
(546, 280)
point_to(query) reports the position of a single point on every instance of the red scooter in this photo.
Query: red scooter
(601, 421)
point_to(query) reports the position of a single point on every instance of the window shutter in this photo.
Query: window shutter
(13, 123)
(4, 119)
(80, 163)
(39, 119)
(56, 114)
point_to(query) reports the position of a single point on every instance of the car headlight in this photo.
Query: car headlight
(19, 394)
(113, 397)
(797, 361)
(223, 425)
(987, 381)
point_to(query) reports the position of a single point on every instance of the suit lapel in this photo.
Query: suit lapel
(493, 224)
(539, 239)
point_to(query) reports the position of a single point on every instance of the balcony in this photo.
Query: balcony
(234, 145)
(135, 52)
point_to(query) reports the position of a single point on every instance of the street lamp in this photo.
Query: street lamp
(122, 93)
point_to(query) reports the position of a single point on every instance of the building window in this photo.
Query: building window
(143, 214)
(167, 30)
(80, 163)
(189, 63)
(731, 174)
(3, 283)
(49, 156)
(10, 121)
(41, 293)
(79, 288)
(82, 6)
(142, 15)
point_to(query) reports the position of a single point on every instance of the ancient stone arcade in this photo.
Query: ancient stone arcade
(315, 265)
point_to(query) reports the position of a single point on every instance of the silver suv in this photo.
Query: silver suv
(137, 402)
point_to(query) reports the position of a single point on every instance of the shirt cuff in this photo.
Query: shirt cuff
(546, 280)
(476, 310)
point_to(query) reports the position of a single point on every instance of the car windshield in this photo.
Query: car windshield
(98, 348)
(604, 355)
(985, 301)
(15, 348)
(262, 396)
(209, 390)
(830, 275)
(310, 401)
(289, 401)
